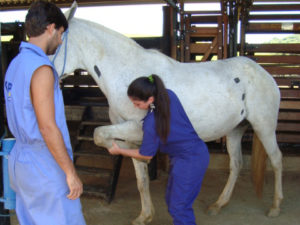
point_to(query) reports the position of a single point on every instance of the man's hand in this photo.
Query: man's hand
(75, 186)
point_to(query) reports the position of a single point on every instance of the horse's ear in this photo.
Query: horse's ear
(69, 14)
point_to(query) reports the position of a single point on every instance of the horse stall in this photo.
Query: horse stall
(110, 192)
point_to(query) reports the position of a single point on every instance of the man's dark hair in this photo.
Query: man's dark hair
(40, 15)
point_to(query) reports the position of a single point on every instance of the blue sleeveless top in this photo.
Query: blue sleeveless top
(183, 141)
(20, 113)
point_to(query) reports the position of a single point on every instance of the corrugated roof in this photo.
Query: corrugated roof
(20, 4)
(24, 4)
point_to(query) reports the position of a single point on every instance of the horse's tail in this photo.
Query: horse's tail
(258, 165)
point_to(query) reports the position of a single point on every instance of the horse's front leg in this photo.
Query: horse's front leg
(147, 212)
(130, 132)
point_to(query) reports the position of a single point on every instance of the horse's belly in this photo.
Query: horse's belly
(214, 117)
(210, 130)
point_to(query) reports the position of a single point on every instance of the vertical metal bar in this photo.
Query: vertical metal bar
(187, 52)
(234, 29)
(233, 23)
(182, 31)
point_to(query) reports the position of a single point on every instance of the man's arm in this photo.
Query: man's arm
(42, 96)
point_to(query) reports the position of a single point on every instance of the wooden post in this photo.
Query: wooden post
(173, 32)
(167, 31)
(225, 28)
(220, 37)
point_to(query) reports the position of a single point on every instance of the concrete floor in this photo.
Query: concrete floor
(244, 208)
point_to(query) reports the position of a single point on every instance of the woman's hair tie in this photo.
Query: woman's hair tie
(150, 78)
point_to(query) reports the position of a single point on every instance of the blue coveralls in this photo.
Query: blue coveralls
(189, 159)
(39, 182)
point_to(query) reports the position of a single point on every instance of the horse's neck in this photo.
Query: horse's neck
(119, 59)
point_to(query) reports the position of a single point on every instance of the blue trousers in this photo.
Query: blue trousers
(41, 188)
(184, 184)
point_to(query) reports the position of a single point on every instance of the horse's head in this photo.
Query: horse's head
(64, 59)
(82, 47)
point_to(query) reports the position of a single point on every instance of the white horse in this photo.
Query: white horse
(217, 96)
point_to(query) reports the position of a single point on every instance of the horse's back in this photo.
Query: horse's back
(218, 95)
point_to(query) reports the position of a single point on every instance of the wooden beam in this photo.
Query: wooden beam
(288, 126)
(278, 48)
(293, 104)
(277, 70)
(286, 92)
(202, 12)
(274, 17)
(273, 27)
(286, 137)
(282, 59)
(203, 31)
(21, 4)
(286, 116)
(204, 19)
(210, 49)
(290, 93)
(275, 7)
(202, 48)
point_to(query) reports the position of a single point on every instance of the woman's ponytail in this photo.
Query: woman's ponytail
(162, 109)
(143, 88)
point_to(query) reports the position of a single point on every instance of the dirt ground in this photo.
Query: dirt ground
(244, 208)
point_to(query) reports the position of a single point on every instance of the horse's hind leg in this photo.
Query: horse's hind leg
(147, 212)
(233, 142)
(268, 139)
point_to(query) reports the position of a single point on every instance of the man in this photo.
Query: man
(40, 165)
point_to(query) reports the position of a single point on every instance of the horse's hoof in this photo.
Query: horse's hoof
(138, 221)
(274, 212)
(141, 220)
(213, 210)
(135, 222)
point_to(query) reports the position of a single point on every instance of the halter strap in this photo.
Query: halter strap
(65, 55)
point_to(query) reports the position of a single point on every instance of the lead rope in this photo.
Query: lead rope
(65, 55)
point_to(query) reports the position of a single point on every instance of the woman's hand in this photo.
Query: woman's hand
(115, 149)
(134, 153)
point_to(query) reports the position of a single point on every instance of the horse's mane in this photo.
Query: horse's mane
(125, 44)
(108, 32)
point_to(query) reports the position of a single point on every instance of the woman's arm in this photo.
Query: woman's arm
(134, 153)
